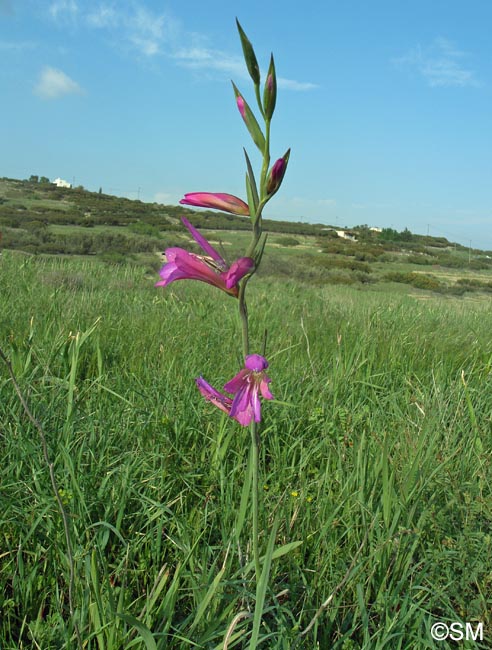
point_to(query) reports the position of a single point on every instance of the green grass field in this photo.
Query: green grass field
(376, 456)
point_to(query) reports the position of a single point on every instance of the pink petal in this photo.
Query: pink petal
(265, 391)
(246, 405)
(222, 402)
(183, 265)
(238, 382)
(238, 270)
(256, 362)
(203, 243)
(217, 200)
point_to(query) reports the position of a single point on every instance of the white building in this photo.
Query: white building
(346, 234)
(59, 182)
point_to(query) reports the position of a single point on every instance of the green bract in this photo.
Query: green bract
(250, 120)
(249, 56)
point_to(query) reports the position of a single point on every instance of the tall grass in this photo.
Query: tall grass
(377, 465)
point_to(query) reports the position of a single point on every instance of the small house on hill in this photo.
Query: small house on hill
(59, 182)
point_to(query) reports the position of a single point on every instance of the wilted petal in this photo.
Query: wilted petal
(222, 402)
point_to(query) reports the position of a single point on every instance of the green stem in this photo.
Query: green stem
(243, 315)
(266, 161)
(255, 469)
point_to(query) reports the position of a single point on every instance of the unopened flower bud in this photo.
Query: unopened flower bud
(250, 120)
(270, 91)
(276, 174)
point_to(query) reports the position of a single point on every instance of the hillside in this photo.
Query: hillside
(36, 217)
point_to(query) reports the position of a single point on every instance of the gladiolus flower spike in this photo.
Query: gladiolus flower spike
(217, 201)
(246, 387)
(210, 268)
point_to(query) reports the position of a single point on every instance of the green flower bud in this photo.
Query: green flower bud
(270, 91)
(250, 120)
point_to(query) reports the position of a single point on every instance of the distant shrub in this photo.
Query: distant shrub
(388, 258)
(365, 257)
(114, 257)
(452, 262)
(474, 284)
(349, 264)
(288, 241)
(141, 228)
(420, 281)
(417, 280)
(469, 282)
(340, 277)
(34, 225)
(480, 264)
(420, 259)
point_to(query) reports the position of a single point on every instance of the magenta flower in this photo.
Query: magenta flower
(210, 268)
(225, 202)
(246, 387)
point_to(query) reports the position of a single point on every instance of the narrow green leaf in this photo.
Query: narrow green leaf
(249, 55)
(278, 552)
(209, 595)
(243, 506)
(252, 182)
(261, 587)
(142, 629)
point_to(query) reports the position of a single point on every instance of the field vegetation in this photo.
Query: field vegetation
(376, 451)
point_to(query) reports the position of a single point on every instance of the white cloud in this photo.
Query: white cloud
(153, 33)
(54, 83)
(441, 64)
(290, 84)
(209, 59)
(63, 9)
(102, 17)
(150, 33)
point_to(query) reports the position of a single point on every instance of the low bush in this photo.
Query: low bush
(288, 241)
(417, 280)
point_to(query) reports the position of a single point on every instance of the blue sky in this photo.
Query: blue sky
(385, 104)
